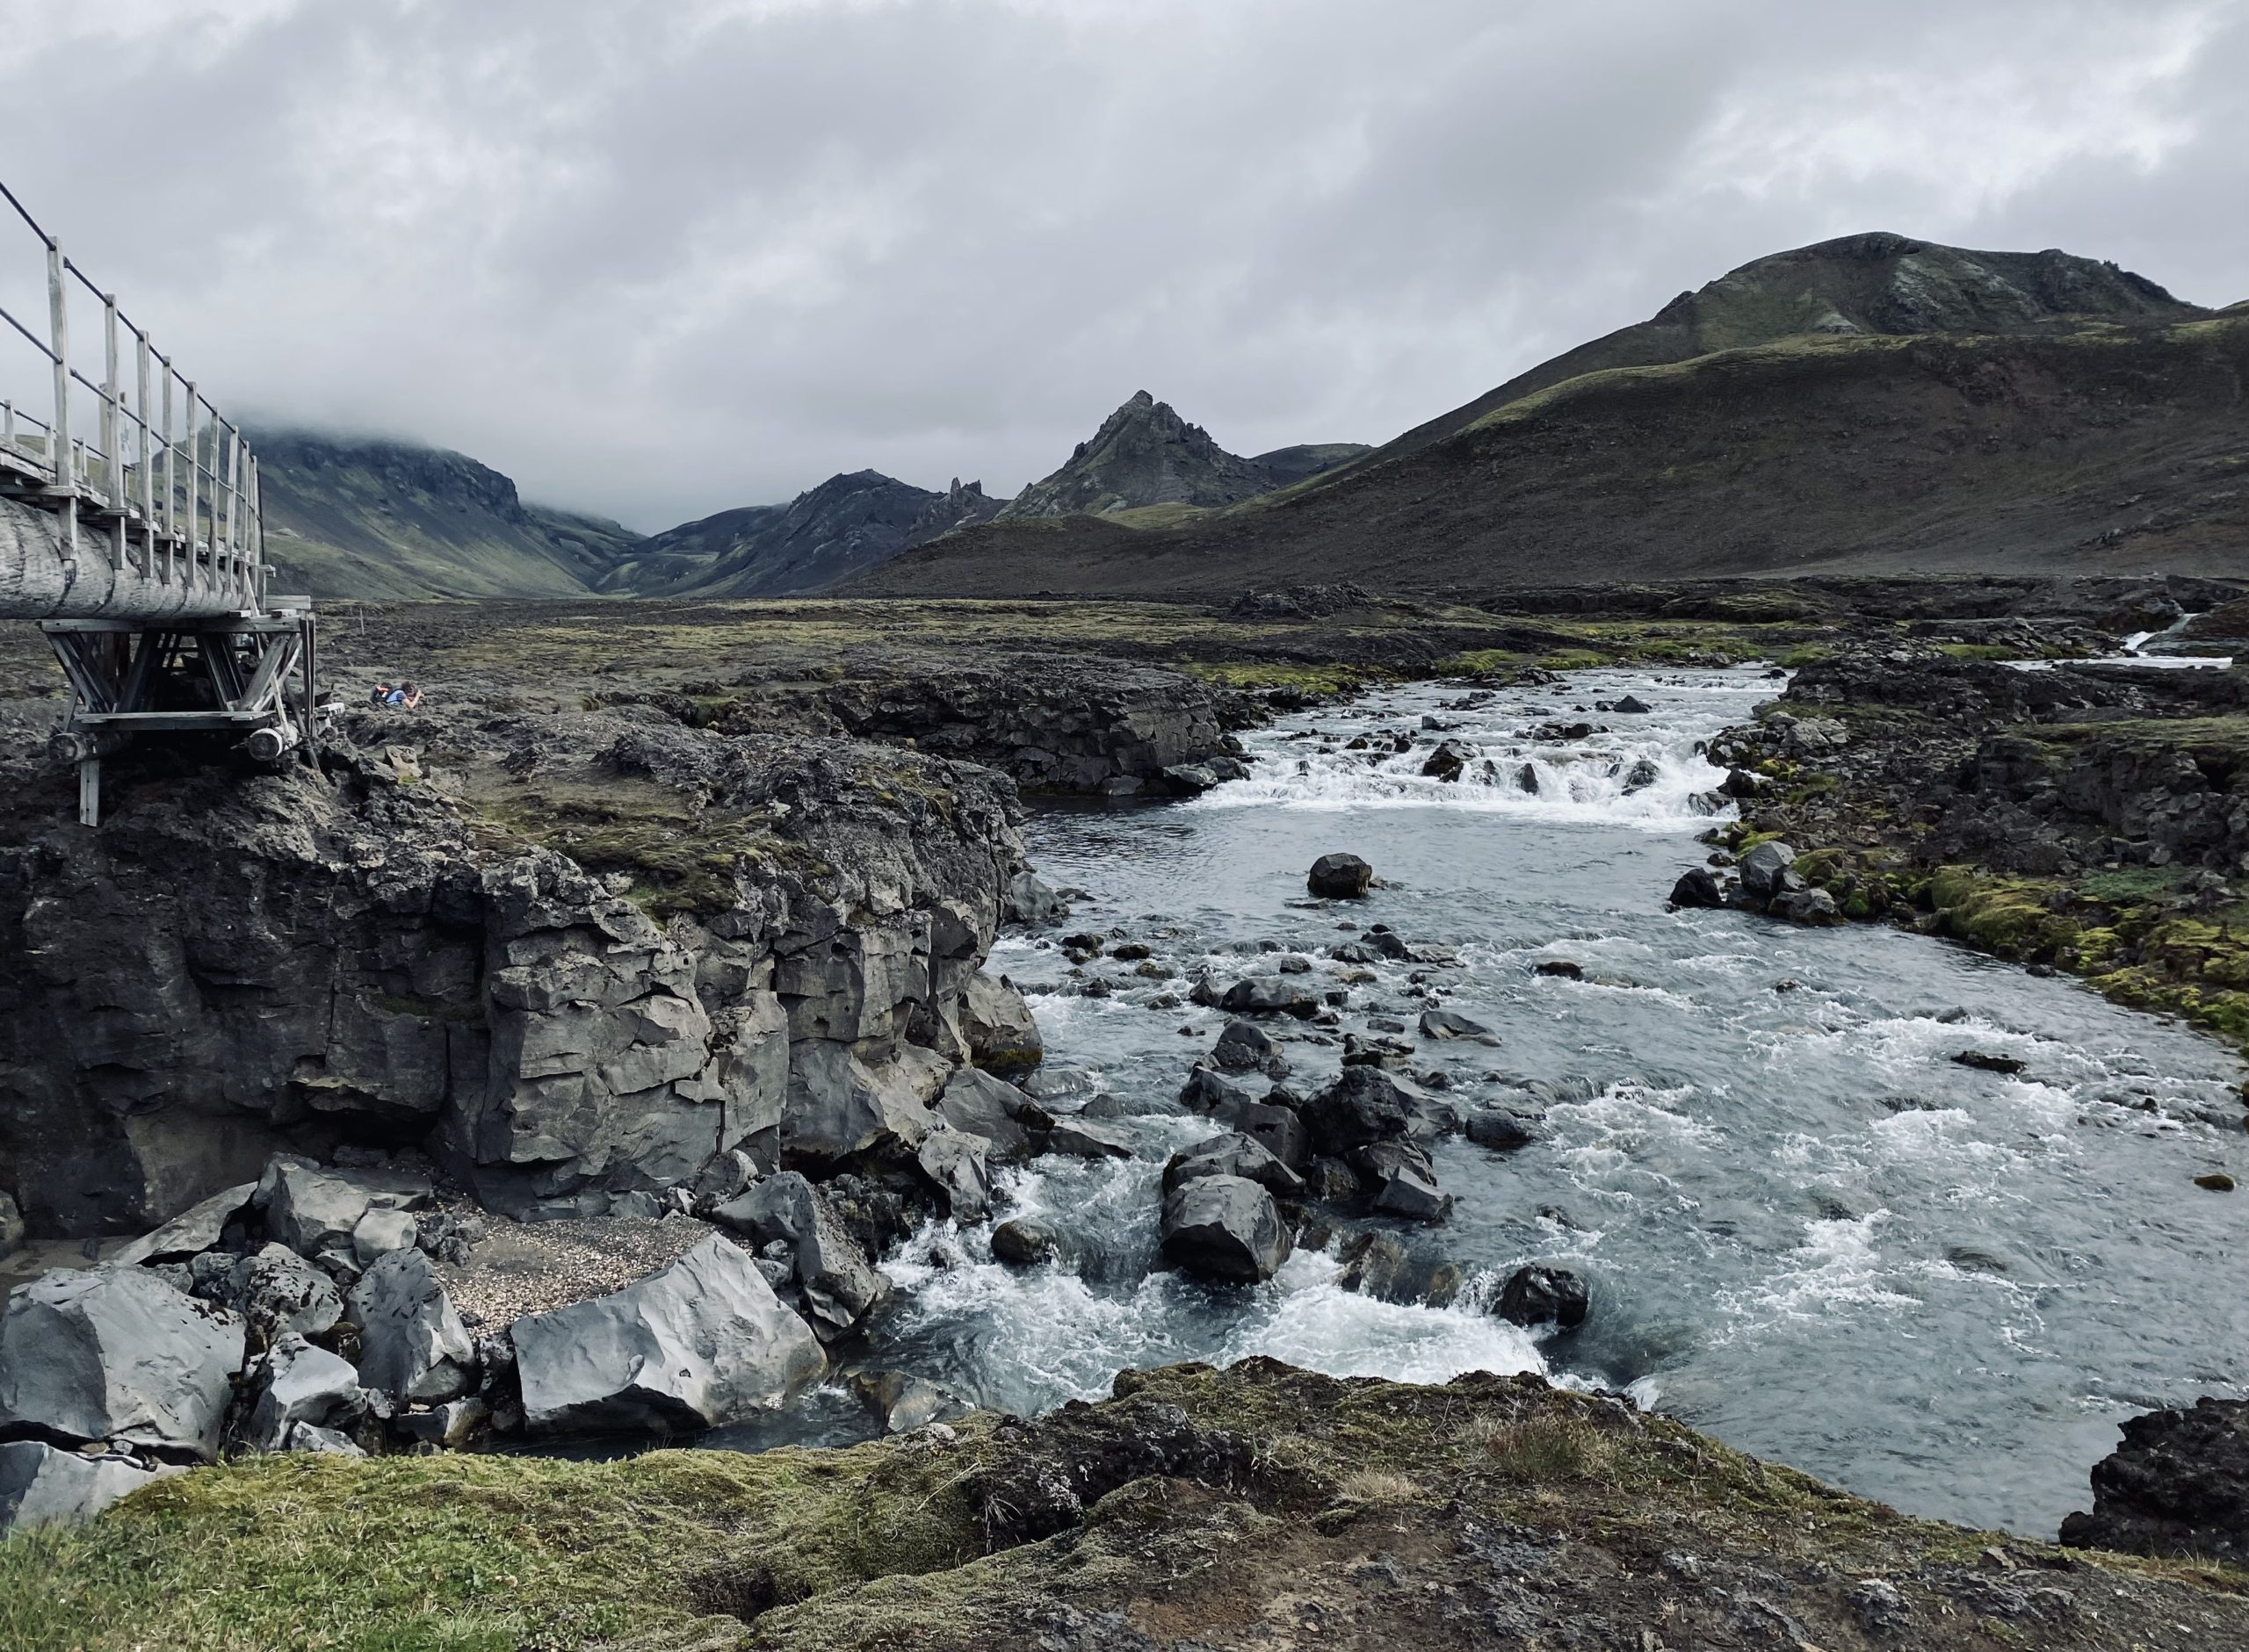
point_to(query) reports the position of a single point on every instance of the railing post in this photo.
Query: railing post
(171, 485)
(113, 445)
(256, 534)
(223, 437)
(194, 460)
(148, 459)
(58, 307)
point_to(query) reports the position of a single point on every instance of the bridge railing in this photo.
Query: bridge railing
(112, 435)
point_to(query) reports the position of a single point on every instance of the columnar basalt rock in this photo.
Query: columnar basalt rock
(560, 954)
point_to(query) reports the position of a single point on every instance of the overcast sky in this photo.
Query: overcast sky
(659, 258)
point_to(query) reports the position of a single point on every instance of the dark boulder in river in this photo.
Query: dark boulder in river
(2178, 1485)
(1232, 1154)
(1539, 1296)
(1365, 1106)
(1698, 886)
(1269, 995)
(1339, 877)
(1225, 1227)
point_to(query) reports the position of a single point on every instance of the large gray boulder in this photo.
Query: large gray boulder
(703, 1342)
(1225, 1227)
(1033, 902)
(1269, 995)
(277, 1292)
(1366, 1105)
(1766, 870)
(412, 1345)
(1243, 1047)
(1275, 1127)
(300, 1383)
(843, 1109)
(313, 1210)
(1087, 1138)
(1338, 878)
(382, 1231)
(116, 1353)
(990, 1108)
(959, 1164)
(42, 1486)
(839, 1285)
(1001, 1036)
(194, 1229)
(1232, 1154)
(1401, 1181)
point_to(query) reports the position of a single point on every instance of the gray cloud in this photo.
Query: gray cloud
(660, 260)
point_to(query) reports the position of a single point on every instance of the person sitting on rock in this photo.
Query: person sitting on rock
(379, 695)
(406, 695)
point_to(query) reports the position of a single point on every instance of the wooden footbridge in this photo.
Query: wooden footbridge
(131, 530)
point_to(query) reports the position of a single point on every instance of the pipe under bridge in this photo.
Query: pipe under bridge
(132, 530)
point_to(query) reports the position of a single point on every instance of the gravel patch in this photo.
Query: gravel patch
(529, 1269)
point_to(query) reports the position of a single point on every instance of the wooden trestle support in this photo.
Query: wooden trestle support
(253, 675)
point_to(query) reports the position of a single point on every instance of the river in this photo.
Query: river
(1809, 1232)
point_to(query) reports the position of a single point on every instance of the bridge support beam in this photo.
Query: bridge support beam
(247, 679)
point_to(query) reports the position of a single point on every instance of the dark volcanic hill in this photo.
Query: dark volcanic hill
(848, 525)
(1872, 403)
(1144, 454)
(356, 516)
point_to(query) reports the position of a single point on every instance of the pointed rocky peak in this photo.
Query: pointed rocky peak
(1143, 453)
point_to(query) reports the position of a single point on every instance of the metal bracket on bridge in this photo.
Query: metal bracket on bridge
(251, 676)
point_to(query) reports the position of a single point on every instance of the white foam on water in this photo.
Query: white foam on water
(1840, 1268)
(1642, 770)
(1041, 1334)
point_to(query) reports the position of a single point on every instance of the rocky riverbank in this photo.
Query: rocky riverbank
(2082, 817)
(1256, 1507)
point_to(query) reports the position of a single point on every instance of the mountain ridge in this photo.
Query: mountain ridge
(1987, 427)
(356, 516)
(847, 524)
